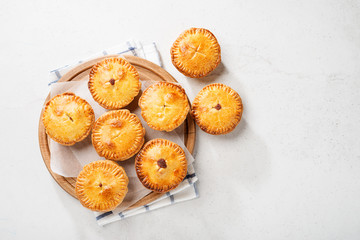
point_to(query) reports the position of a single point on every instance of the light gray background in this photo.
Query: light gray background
(291, 168)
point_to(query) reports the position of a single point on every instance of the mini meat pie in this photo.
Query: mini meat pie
(101, 185)
(118, 135)
(217, 109)
(114, 83)
(161, 165)
(196, 52)
(164, 106)
(68, 118)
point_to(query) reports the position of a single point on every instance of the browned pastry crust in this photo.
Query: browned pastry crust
(101, 185)
(196, 52)
(114, 83)
(118, 135)
(161, 165)
(164, 106)
(217, 109)
(68, 118)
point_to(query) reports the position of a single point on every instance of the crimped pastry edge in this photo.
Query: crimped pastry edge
(102, 102)
(166, 128)
(112, 166)
(138, 159)
(208, 129)
(91, 113)
(189, 72)
(101, 120)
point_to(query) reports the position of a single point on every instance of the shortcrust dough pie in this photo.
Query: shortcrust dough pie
(161, 165)
(114, 83)
(164, 106)
(118, 135)
(217, 109)
(101, 185)
(68, 118)
(196, 52)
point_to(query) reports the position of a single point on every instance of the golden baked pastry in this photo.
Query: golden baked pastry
(68, 118)
(118, 135)
(217, 109)
(196, 52)
(161, 165)
(164, 106)
(101, 185)
(114, 83)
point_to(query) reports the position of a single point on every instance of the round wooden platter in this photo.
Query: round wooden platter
(147, 71)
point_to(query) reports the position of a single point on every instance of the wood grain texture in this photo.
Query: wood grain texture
(147, 71)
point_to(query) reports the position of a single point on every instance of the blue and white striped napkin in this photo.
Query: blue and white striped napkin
(187, 190)
(131, 47)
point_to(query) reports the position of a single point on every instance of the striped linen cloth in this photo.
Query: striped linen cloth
(187, 190)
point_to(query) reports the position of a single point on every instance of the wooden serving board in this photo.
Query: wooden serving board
(147, 71)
